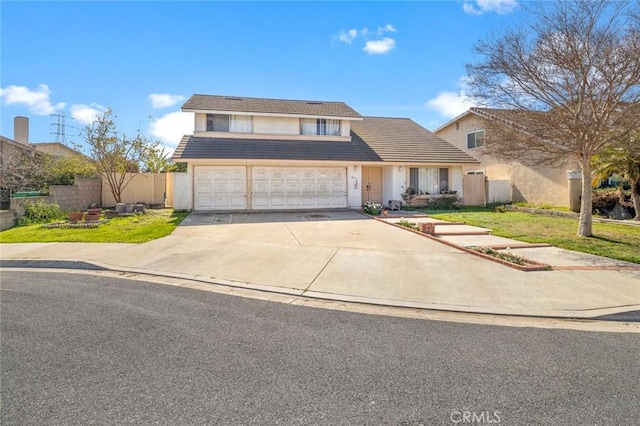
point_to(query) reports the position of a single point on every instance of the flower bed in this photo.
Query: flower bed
(73, 224)
(373, 209)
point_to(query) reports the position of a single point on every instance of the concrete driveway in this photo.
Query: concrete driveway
(342, 255)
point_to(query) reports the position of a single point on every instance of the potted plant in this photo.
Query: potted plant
(75, 216)
(91, 217)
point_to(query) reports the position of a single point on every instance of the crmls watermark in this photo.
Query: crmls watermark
(467, 416)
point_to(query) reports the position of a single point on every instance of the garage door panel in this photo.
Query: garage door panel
(220, 188)
(305, 187)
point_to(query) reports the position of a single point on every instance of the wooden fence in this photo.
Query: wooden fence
(148, 188)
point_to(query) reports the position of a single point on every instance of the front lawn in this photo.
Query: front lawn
(128, 229)
(610, 240)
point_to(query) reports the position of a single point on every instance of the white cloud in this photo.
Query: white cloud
(38, 101)
(348, 36)
(86, 114)
(164, 100)
(479, 7)
(451, 104)
(386, 29)
(379, 47)
(170, 128)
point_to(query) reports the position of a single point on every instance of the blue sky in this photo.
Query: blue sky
(144, 59)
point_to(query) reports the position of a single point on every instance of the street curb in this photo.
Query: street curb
(576, 315)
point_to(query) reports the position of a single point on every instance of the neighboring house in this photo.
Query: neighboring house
(19, 144)
(533, 184)
(10, 149)
(273, 154)
(57, 149)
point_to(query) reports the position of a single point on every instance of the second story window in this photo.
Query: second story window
(319, 126)
(475, 139)
(229, 123)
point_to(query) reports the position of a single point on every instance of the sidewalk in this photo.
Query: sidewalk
(347, 257)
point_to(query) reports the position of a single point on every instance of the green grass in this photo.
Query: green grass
(542, 206)
(129, 229)
(610, 240)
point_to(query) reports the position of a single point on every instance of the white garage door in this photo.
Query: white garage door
(220, 188)
(299, 188)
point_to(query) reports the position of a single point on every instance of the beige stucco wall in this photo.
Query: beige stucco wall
(533, 184)
(200, 122)
(182, 190)
(276, 125)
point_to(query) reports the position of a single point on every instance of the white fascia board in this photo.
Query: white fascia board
(270, 114)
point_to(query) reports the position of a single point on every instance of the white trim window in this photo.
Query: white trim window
(319, 126)
(429, 180)
(229, 123)
(475, 139)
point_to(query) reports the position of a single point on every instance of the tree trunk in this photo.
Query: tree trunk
(586, 202)
(635, 196)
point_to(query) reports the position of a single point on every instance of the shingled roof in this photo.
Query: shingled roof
(270, 106)
(273, 149)
(403, 140)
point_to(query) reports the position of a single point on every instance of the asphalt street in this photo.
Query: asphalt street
(83, 349)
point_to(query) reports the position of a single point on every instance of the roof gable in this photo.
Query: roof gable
(403, 140)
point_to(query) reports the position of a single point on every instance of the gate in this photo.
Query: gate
(473, 188)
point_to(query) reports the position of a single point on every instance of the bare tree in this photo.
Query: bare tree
(567, 85)
(23, 170)
(117, 157)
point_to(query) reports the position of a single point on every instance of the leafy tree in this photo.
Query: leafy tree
(159, 161)
(116, 156)
(567, 84)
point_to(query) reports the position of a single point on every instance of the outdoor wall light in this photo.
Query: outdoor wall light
(399, 168)
(355, 168)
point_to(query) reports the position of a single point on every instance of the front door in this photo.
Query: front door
(372, 184)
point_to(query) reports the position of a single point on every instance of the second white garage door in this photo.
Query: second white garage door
(277, 188)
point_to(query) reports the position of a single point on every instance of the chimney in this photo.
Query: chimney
(21, 130)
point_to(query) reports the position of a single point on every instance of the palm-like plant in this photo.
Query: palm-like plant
(159, 162)
(624, 161)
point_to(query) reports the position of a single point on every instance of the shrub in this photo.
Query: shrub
(444, 203)
(408, 194)
(40, 212)
(373, 209)
(507, 256)
(605, 200)
(407, 224)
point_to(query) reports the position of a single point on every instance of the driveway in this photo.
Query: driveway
(342, 255)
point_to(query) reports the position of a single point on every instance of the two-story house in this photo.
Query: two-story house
(276, 154)
(535, 184)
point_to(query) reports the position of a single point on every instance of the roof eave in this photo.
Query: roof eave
(453, 120)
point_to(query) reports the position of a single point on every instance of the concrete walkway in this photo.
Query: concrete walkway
(342, 255)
